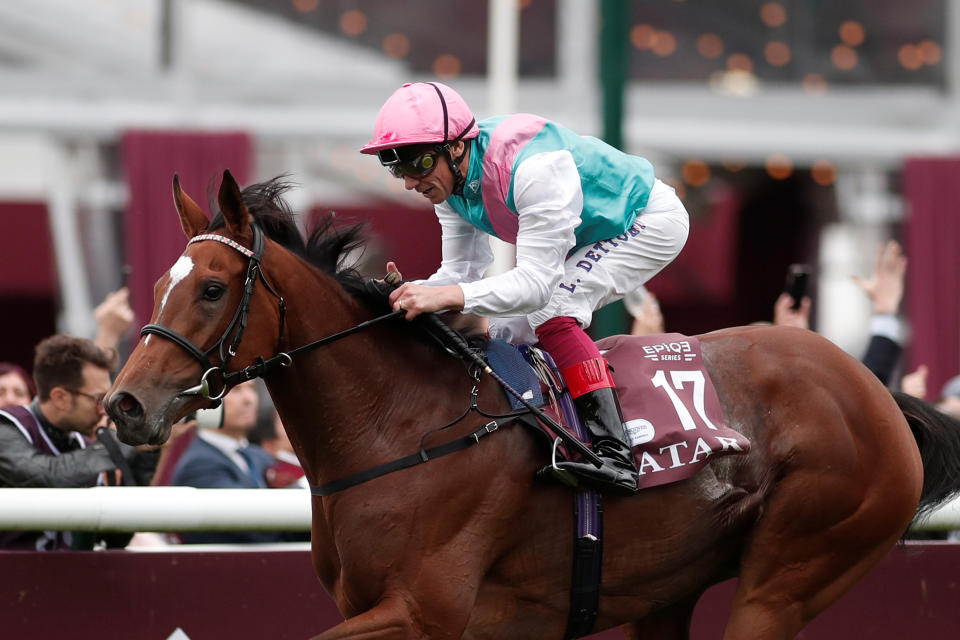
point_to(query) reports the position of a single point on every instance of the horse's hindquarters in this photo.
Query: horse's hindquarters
(833, 460)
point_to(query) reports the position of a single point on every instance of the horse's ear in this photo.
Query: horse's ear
(192, 218)
(235, 212)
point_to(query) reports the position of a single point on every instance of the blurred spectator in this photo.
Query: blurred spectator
(915, 382)
(50, 442)
(181, 435)
(884, 287)
(223, 458)
(16, 387)
(287, 470)
(949, 401)
(114, 317)
(885, 290)
(785, 315)
(645, 309)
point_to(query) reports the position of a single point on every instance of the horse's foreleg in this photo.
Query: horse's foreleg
(387, 621)
(393, 619)
(669, 623)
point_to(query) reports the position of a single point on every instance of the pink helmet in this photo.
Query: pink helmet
(421, 113)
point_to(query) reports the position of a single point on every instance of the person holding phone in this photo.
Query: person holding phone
(792, 308)
(884, 287)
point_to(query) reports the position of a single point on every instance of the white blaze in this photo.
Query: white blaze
(180, 270)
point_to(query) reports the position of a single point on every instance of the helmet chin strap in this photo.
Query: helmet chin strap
(458, 178)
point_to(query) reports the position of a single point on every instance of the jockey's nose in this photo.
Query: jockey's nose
(410, 183)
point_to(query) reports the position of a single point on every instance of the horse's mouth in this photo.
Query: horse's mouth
(136, 425)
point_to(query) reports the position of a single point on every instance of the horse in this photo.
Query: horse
(471, 545)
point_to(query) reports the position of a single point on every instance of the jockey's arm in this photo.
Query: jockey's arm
(549, 200)
(465, 250)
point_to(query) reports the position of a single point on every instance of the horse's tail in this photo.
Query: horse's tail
(938, 438)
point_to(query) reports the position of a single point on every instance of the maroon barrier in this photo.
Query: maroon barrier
(211, 595)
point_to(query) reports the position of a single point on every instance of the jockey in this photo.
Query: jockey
(589, 222)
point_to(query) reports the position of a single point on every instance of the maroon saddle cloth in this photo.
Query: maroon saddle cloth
(670, 407)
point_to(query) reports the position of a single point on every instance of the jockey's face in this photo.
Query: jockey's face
(438, 185)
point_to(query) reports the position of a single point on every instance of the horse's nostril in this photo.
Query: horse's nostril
(125, 404)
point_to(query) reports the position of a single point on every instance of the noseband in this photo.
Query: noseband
(224, 346)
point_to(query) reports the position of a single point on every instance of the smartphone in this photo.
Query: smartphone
(124, 275)
(798, 280)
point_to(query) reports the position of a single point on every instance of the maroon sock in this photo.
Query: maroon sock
(566, 342)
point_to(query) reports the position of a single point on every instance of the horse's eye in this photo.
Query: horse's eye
(213, 292)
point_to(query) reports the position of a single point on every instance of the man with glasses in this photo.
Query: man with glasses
(49, 443)
(590, 224)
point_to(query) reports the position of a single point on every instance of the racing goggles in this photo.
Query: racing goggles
(419, 166)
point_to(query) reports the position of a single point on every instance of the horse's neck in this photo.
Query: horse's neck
(365, 398)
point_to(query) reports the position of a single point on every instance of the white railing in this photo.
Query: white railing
(155, 509)
(945, 518)
(188, 509)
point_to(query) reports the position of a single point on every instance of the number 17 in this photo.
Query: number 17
(679, 378)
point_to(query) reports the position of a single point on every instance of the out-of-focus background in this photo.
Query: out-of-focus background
(795, 131)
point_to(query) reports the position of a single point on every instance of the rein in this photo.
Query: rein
(216, 381)
(237, 324)
(425, 455)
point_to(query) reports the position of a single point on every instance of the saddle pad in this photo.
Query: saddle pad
(509, 363)
(670, 406)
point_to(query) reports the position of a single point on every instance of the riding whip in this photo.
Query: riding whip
(393, 279)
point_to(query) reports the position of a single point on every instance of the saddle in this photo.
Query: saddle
(670, 406)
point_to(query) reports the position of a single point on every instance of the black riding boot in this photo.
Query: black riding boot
(600, 412)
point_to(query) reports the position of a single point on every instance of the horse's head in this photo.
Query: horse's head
(203, 306)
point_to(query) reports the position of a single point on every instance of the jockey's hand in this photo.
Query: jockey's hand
(416, 299)
(392, 268)
(382, 287)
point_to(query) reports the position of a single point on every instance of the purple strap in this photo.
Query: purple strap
(588, 542)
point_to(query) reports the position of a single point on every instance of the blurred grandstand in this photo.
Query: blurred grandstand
(796, 131)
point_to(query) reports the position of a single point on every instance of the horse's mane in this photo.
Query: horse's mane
(334, 249)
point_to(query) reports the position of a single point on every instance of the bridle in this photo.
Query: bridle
(217, 375)
(224, 346)
(216, 381)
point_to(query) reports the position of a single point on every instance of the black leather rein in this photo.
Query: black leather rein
(216, 381)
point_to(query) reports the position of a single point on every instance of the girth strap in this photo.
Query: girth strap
(587, 563)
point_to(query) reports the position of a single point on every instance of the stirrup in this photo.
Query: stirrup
(606, 479)
(555, 473)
